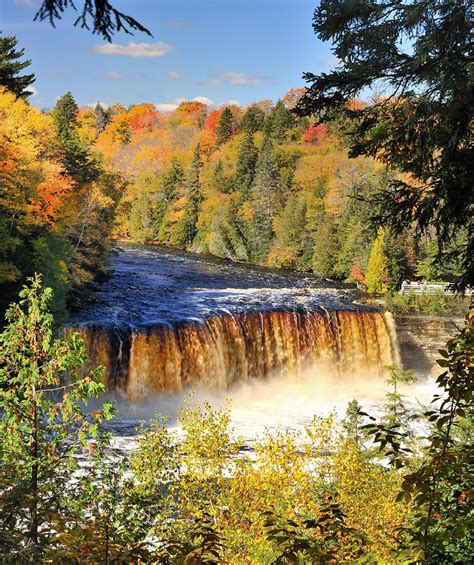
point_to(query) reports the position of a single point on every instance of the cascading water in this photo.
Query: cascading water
(166, 321)
(227, 349)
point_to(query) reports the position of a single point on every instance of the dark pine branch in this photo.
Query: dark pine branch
(98, 16)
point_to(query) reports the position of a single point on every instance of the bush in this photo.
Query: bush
(438, 304)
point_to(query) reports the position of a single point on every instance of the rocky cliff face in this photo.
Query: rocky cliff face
(420, 337)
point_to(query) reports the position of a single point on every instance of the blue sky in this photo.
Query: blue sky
(221, 51)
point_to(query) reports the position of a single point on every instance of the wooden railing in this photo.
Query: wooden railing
(428, 288)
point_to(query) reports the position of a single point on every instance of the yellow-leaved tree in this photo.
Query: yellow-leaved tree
(376, 277)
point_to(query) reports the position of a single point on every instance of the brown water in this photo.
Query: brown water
(169, 321)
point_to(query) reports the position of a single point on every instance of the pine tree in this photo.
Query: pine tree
(220, 180)
(278, 122)
(141, 218)
(102, 118)
(78, 161)
(194, 199)
(65, 115)
(422, 126)
(263, 195)
(171, 186)
(376, 277)
(326, 246)
(11, 66)
(246, 165)
(252, 120)
(290, 224)
(172, 181)
(225, 128)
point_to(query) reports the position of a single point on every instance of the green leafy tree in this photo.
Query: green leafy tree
(11, 67)
(438, 481)
(42, 424)
(421, 50)
(376, 276)
(225, 127)
(246, 165)
(397, 415)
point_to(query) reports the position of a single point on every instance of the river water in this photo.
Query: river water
(278, 347)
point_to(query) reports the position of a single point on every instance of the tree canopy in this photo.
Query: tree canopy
(418, 54)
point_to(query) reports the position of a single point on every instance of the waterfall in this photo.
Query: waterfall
(223, 350)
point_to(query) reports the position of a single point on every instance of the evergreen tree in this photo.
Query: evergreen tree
(353, 421)
(290, 224)
(278, 122)
(172, 181)
(221, 181)
(78, 161)
(325, 246)
(396, 252)
(422, 126)
(141, 218)
(11, 67)
(376, 277)
(102, 118)
(263, 196)
(252, 120)
(246, 165)
(171, 186)
(225, 127)
(65, 115)
(188, 228)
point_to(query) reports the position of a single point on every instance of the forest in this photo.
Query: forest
(255, 184)
(371, 192)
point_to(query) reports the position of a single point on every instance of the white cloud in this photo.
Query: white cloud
(166, 107)
(94, 104)
(175, 75)
(232, 78)
(33, 90)
(204, 100)
(158, 49)
(27, 3)
(171, 105)
(113, 75)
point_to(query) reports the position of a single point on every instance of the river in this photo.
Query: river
(280, 347)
